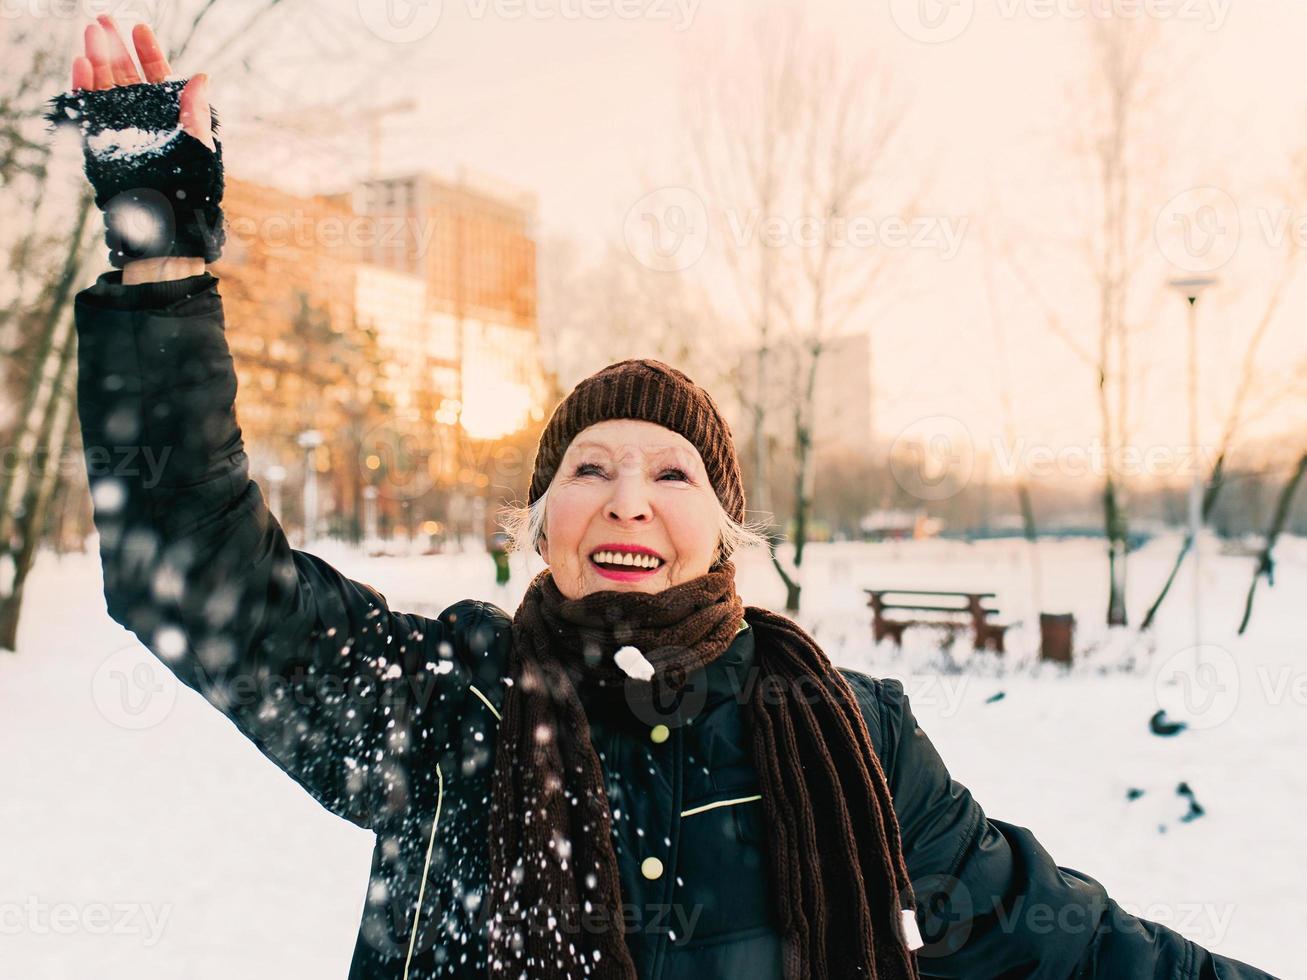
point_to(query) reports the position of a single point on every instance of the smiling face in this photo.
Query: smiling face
(624, 489)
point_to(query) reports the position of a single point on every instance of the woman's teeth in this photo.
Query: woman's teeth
(620, 559)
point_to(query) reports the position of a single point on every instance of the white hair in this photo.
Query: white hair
(526, 528)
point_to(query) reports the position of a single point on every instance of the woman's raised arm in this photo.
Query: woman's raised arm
(313, 667)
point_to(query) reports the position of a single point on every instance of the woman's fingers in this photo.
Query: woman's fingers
(195, 116)
(83, 74)
(108, 63)
(97, 52)
(120, 59)
(153, 62)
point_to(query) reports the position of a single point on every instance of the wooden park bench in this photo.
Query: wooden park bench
(951, 611)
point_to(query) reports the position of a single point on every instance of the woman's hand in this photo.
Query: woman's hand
(108, 63)
(151, 154)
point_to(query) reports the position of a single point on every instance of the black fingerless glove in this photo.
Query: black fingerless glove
(159, 187)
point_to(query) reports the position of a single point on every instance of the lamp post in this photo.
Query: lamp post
(1191, 288)
(310, 440)
(276, 477)
(369, 517)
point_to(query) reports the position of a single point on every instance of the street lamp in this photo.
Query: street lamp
(276, 477)
(369, 517)
(1191, 288)
(309, 441)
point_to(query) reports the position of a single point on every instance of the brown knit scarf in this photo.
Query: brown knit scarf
(837, 870)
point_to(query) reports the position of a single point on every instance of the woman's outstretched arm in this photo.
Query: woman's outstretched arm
(991, 901)
(313, 667)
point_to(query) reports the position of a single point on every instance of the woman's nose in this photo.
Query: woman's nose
(630, 501)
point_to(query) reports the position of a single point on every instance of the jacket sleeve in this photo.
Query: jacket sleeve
(313, 667)
(992, 902)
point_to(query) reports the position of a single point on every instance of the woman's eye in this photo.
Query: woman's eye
(585, 469)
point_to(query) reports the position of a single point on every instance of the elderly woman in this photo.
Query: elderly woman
(634, 775)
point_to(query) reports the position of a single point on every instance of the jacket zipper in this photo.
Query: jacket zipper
(426, 867)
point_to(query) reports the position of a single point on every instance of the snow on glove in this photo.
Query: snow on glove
(159, 187)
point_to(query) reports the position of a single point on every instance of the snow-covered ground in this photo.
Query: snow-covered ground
(142, 837)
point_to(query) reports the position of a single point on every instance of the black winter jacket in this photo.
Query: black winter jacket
(388, 719)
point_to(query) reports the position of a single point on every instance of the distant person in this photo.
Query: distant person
(499, 545)
(634, 775)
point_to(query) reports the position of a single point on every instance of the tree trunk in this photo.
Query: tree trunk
(42, 380)
(1114, 520)
(36, 503)
(1265, 564)
(1210, 493)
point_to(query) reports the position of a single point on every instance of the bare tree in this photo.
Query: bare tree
(1265, 563)
(1237, 415)
(47, 260)
(796, 152)
(1119, 142)
(1005, 388)
(614, 308)
(743, 127)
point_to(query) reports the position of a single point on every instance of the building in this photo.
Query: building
(473, 246)
(394, 305)
(404, 324)
(288, 281)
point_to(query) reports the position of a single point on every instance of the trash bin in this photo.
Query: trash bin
(1056, 636)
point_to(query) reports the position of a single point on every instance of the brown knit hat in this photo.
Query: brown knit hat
(649, 391)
